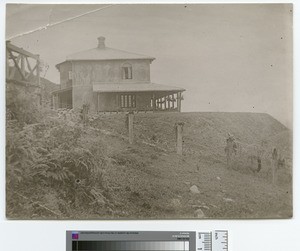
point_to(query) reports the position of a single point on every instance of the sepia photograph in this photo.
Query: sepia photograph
(149, 111)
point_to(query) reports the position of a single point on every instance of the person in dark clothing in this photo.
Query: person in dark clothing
(258, 164)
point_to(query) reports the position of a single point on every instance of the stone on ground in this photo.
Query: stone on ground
(199, 214)
(194, 189)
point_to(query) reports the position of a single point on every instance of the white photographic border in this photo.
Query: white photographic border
(244, 235)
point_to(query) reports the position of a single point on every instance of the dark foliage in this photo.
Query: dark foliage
(52, 171)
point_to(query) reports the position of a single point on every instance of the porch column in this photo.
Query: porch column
(173, 101)
(118, 102)
(58, 101)
(53, 101)
(179, 101)
(153, 102)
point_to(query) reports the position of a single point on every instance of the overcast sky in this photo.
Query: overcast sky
(234, 58)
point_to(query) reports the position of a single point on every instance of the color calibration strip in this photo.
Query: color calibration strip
(130, 245)
(147, 241)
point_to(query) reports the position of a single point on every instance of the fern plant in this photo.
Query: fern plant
(47, 153)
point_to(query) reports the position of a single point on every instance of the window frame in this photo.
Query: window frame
(127, 100)
(127, 71)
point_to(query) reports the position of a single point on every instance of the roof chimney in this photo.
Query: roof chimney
(101, 42)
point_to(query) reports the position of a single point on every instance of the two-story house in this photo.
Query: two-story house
(112, 80)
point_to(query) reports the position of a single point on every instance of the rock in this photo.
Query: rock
(194, 189)
(187, 182)
(200, 206)
(228, 199)
(199, 214)
(175, 203)
(203, 206)
(218, 178)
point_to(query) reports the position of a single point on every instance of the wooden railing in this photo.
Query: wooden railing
(22, 66)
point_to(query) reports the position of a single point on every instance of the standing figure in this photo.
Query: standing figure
(258, 164)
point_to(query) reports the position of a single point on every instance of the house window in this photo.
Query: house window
(127, 101)
(70, 75)
(127, 71)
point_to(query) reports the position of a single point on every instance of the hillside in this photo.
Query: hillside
(162, 178)
(204, 133)
(149, 180)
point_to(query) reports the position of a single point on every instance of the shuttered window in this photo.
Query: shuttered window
(127, 101)
(127, 71)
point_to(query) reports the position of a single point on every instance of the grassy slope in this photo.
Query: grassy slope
(151, 181)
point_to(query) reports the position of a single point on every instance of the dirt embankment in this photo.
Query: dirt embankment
(62, 168)
(149, 180)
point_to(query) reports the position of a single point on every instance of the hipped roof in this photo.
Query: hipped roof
(136, 87)
(106, 53)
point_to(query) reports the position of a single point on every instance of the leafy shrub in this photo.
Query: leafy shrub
(23, 107)
(49, 155)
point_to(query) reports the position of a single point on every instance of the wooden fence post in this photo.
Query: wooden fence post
(274, 171)
(130, 126)
(274, 162)
(85, 111)
(179, 131)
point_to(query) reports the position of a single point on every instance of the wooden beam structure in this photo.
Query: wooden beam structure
(19, 68)
(166, 101)
(20, 50)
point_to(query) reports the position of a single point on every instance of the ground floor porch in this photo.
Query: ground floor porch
(120, 98)
(62, 99)
(139, 101)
